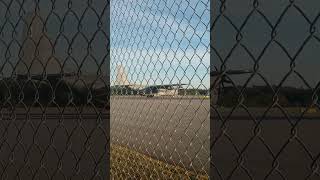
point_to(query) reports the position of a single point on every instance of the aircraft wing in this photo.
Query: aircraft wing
(165, 85)
(48, 76)
(230, 72)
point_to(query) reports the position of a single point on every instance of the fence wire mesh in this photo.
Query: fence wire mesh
(265, 75)
(54, 89)
(159, 89)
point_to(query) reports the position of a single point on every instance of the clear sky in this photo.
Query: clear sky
(62, 28)
(161, 41)
(167, 41)
(291, 32)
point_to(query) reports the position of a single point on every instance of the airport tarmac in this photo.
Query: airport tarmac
(267, 148)
(174, 130)
(169, 129)
(53, 145)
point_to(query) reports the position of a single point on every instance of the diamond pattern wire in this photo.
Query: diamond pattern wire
(159, 89)
(262, 53)
(54, 99)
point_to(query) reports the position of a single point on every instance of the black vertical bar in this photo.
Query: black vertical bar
(108, 89)
(211, 88)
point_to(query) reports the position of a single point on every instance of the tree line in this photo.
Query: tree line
(258, 96)
(127, 91)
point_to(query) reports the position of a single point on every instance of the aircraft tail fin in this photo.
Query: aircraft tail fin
(122, 77)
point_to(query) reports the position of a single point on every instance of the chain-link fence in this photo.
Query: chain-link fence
(265, 121)
(54, 89)
(54, 96)
(159, 85)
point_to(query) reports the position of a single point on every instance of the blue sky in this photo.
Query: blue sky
(157, 41)
(61, 29)
(167, 41)
(161, 41)
(292, 31)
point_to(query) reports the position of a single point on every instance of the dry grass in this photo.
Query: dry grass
(129, 164)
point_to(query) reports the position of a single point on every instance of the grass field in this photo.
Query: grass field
(129, 164)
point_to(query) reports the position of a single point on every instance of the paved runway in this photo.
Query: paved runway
(172, 130)
(273, 151)
(44, 146)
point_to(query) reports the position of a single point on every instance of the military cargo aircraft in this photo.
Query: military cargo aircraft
(54, 90)
(124, 87)
(218, 81)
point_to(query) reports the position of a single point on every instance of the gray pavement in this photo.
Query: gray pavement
(174, 130)
(50, 146)
(273, 151)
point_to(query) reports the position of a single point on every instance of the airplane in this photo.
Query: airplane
(161, 90)
(229, 72)
(65, 89)
(38, 79)
(220, 79)
(124, 87)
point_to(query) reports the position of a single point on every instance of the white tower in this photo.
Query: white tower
(36, 49)
(122, 78)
